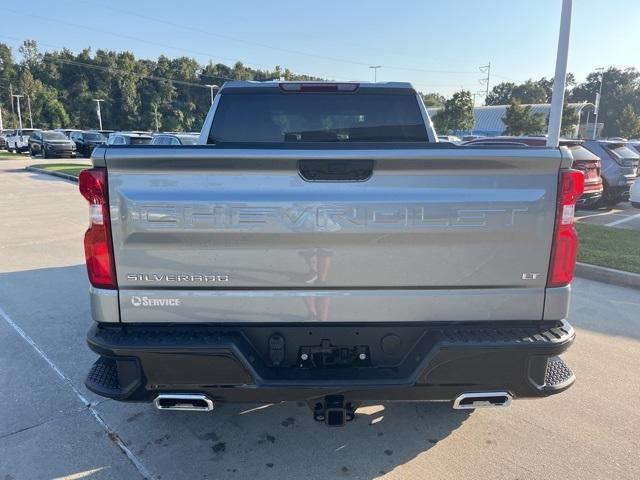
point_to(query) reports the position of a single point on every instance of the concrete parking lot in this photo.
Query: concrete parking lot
(52, 427)
(622, 215)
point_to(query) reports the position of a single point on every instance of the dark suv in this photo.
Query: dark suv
(51, 144)
(87, 141)
(619, 169)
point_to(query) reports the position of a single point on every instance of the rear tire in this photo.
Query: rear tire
(609, 199)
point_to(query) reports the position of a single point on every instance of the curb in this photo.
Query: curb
(53, 173)
(608, 275)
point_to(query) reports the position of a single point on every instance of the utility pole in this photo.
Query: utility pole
(29, 105)
(560, 80)
(155, 111)
(598, 97)
(1, 127)
(375, 71)
(13, 114)
(485, 81)
(97, 100)
(211, 87)
(18, 97)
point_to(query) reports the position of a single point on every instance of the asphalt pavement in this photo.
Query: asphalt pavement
(622, 215)
(52, 427)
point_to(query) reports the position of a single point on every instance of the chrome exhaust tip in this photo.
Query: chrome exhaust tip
(183, 402)
(473, 400)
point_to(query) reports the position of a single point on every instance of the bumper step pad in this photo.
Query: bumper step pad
(114, 378)
(105, 374)
(558, 373)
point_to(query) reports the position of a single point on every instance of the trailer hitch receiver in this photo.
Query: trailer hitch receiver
(333, 411)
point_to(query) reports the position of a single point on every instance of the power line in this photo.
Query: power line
(142, 40)
(192, 28)
(124, 72)
(47, 57)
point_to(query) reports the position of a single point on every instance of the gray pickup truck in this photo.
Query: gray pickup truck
(320, 245)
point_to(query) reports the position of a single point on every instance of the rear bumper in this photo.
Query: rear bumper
(620, 192)
(61, 153)
(590, 197)
(401, 362)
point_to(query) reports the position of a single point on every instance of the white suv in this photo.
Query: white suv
(634, 194)
(19, 141)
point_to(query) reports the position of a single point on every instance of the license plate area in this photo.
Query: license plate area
(325, 355)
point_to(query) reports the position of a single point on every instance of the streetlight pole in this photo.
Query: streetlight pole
(29, 105)
(560, 80)
(598, 96)
(13, 113)
(97, 100)
(18, 97)
(375, 71)
(211, 87)
(155, 111)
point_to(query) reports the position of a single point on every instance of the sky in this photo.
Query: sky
(437, 45)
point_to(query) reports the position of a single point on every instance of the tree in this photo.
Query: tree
(531, 91)
(519, 120)
(501, 94)
(457, 114)
(619, 89)
(570, 120)
(30, 54)
(432, 99)
(629, 123)
(534, 92)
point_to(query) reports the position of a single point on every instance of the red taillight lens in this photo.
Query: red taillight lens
(564, 252)
(98, 251)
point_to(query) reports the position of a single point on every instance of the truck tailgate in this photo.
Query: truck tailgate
(205, 234)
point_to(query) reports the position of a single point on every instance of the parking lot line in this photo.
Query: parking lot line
(622, 220)
(582, 217)
(108, 430)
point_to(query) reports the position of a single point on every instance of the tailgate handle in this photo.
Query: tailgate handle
(335, 170)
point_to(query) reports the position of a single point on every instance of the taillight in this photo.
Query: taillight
(564, 251)
(98, 250)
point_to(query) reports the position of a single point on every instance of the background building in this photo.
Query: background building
(488, 119)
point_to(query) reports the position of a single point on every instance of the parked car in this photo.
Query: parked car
(174, 139)
(449, 138)
(50, 143)
(635, 144)
(619, 169)
(86, 141)
(67, 131)
(396, 269)
(583, 160)
(634, 194)
(3, 138)
(122, 138)
(468, 138)
(19, 141)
